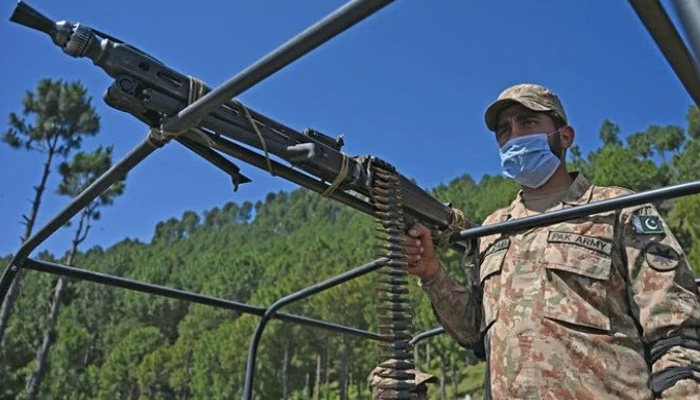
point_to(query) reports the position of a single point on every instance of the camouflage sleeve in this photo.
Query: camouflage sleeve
(457, 307)
(665, 302)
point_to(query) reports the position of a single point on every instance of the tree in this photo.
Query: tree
(609, 133)
(641, 144)
(684, 218)
(667, 138)
(693, 118)
(119, 376)
(619, 166)
(77, 175)
(686, 165)
(61, 115)
(113, 343)
(578, 163)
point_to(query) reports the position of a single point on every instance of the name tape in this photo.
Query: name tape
(590, 242)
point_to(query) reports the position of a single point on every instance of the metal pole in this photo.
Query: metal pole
(130, 284)
(330, 26)
(689, 13)
(554, 217)
(306, 292)
(670, 43)
(118, 170)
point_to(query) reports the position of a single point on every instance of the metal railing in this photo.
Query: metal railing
(650, 12)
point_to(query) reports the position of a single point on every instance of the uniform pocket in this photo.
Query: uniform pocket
(576, 280)
(489, 278)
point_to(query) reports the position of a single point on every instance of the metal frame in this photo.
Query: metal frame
(143, 287)
(652, 15)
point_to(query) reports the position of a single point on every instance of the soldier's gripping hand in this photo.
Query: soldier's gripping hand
(421, 253)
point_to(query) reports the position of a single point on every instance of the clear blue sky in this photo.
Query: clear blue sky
(409, 84)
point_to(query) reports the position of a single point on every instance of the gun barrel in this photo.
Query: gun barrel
(28, 16)
(154, 93)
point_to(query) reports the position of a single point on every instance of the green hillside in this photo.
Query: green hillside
(113, 343)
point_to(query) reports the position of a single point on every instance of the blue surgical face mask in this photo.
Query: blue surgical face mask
(529, 160)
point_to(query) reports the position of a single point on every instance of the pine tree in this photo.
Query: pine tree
(54, 121)
(77, 175)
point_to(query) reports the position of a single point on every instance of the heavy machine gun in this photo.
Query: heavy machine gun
(160, 97)
(212, 124)
(152, 92)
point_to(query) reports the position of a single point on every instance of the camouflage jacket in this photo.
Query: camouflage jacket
(575, 310)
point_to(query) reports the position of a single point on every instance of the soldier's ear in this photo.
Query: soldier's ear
(567, 135)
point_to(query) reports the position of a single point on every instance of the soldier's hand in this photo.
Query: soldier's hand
(420, 252)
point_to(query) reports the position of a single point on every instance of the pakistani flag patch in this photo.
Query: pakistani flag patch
(647, 225)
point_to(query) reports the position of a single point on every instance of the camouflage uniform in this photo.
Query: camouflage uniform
(585, 309)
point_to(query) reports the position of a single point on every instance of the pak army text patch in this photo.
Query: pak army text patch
(590, 242)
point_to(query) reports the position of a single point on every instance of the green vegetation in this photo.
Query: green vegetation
(54, 120)
(77, 175)
(112, 343)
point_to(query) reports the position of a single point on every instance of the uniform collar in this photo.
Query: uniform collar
(580, 192)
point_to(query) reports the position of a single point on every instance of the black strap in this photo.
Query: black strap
(487, 378)
(479, 350)
(668, 377)
(661, 346)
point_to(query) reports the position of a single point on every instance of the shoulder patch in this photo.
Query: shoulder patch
(647, 225)
(661, 257)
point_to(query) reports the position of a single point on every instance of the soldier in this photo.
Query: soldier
(599, 307)
(378, 381)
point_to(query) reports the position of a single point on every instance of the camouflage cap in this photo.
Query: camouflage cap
(534, 97)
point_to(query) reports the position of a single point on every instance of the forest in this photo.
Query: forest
(69, 339)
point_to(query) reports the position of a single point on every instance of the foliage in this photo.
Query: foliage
(62, 115)
(609, 134)
(122, 344)
(54, 121)
(638, 174)
(83, 170)
(77, 175)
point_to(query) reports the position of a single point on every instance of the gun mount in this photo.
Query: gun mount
(150, 91)
(160, 98)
